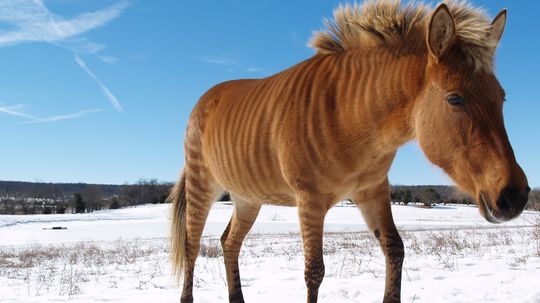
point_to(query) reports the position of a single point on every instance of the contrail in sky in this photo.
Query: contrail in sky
(112, 98)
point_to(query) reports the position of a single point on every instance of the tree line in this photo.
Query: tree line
(59, 198)
(429, 195)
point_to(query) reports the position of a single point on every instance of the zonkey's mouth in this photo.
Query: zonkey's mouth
(488, 212)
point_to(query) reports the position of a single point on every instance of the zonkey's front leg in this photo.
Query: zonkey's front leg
(374, 204)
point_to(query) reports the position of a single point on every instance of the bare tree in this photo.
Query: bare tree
(8, 199)
(129, 195)
(93, 198)
(430, 196)
(534, 200)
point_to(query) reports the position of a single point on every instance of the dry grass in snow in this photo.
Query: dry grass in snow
(272, 265)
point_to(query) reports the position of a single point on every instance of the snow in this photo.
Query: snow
(151, 221)
(452, 255)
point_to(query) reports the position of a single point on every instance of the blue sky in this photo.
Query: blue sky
(99, 91)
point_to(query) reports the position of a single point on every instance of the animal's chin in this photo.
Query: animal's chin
(487, 211)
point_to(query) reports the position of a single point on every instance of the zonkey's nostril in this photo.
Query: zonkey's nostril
(508, 193)
(502, 203)
(507, 197)
(528, 189)
(511, 193)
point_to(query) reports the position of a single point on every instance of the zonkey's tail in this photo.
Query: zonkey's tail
(178, 226)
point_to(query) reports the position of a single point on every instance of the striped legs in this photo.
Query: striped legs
(242, 220)
(311, 214)
(375, 207)
(200, 195)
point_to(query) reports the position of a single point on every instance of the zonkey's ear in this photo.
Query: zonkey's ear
(441, 31)
(497, 27)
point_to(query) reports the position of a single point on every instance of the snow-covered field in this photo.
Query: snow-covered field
(452, 255)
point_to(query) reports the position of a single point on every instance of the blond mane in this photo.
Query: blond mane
(389, 23)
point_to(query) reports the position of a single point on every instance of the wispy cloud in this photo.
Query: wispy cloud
(231, 64)
(16, 111)
(254, 69)
(112, 98)
(32, 21)
(219, 61)
(71, 116)
(108, 59)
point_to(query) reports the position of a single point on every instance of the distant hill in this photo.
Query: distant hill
(45, 198)
(446, 193)
(34, 197)
(108, 190)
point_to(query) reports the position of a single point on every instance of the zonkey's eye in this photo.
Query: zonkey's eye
(455, 100)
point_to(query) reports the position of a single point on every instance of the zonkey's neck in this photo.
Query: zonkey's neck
(378, 95)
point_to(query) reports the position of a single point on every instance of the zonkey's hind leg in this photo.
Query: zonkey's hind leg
(200, 194)
(311, 211)
(242, 220)
(374, 204)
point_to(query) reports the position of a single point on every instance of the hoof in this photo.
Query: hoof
(237, 298)
(186, 300)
